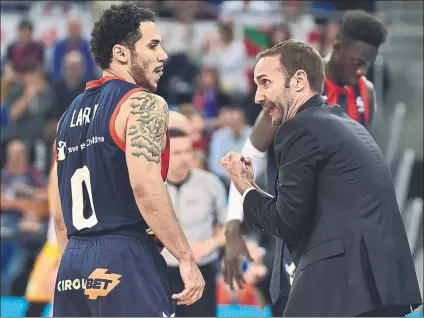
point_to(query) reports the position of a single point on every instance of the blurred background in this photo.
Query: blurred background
(208, 78)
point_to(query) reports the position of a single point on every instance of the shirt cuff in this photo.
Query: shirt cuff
(250, 150)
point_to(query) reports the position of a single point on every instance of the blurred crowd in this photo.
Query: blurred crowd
(208, 87)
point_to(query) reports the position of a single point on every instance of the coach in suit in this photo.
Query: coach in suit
(335, 205)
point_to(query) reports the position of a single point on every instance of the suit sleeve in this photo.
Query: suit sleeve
(299, 158)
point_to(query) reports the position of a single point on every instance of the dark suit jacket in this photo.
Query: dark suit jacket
(335, 207)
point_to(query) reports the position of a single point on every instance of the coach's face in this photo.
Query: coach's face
(181, 156)
(146, 65)
(271, 92)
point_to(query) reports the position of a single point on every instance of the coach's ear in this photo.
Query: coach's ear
(300, 79)
(120, 53)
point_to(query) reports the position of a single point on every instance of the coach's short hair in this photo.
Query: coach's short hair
(118, 25)
(359, 25)
(298, 55)
(177, 132)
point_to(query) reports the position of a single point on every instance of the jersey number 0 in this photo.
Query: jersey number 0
(80, 176)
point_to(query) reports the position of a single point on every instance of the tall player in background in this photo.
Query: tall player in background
(112, 152)
(356, 47)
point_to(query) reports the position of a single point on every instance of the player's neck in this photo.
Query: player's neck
(125, 75)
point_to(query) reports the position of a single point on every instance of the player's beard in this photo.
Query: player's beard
(139, 73)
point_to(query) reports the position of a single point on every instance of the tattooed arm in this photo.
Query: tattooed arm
(146, 127)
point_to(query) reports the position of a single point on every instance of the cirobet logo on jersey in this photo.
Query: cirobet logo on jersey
(99, 283)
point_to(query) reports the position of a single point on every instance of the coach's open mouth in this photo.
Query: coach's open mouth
(159, 71)
(272, 111)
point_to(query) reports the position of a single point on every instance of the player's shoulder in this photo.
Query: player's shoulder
(370, 92)
(75, 104)
(77, 100)
(149, 108)
(368, 84)
(148, 99)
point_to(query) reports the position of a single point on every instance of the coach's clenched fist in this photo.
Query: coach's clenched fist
(239, 169)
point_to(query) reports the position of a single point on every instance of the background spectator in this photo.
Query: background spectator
(65, 90)
(179, 121)
(73, 42)
(24, 211)
(328, 33)
(25, 50)
(208, 96)
(198, 198)
(279, 33)
(231, 136)
(197, 123)
(228, 55)
(27, 103)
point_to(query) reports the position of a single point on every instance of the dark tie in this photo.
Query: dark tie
(277, 271)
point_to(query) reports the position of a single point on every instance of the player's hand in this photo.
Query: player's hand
(219, 236)
(193, 283)
(254, 273)
(235, 250)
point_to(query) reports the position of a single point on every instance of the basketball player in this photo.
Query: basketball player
(112, 152)
(358, 40)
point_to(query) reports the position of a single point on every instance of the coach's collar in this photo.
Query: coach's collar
(314, 101)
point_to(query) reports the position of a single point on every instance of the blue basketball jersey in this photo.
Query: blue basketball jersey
(94, 184)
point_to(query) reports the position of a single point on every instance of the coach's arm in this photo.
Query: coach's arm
(298, 157)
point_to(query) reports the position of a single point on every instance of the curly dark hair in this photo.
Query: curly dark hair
(358, 25)
(118, 25)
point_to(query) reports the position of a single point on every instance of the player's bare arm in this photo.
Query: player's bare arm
(59, 223)
(263, 132)
(146, 130)
(146, 126)
(147, 134)
(261, 138)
